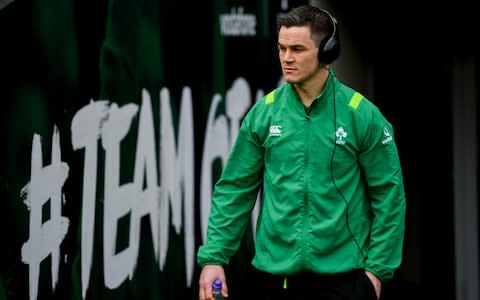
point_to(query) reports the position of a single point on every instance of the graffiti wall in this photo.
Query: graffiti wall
(117, 118)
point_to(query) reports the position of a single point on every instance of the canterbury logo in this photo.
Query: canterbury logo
(275, 130)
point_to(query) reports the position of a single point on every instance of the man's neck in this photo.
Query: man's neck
(310, 89)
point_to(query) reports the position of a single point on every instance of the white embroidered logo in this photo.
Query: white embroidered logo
(275, 130)
(388, 137)
(341, 134)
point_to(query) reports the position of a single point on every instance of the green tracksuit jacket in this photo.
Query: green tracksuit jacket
(333, 197)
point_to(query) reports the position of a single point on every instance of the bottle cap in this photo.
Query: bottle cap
(217, 284)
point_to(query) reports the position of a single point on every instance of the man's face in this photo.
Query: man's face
(298, 54)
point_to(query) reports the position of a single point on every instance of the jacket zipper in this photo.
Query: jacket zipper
(306, 188)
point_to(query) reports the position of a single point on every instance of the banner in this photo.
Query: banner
(118, 117)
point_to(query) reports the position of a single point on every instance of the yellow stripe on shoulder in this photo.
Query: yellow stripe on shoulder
(270, 97)
(355, 100)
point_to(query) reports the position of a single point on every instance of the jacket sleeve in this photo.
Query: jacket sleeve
(233, 198)
(381, 164)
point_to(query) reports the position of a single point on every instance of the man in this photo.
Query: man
(332, 220)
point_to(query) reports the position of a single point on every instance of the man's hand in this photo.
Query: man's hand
(207, 277)
(377, 284)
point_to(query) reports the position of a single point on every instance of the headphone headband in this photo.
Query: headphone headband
(329, 48)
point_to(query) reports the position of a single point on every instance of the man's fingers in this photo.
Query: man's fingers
(206, 294)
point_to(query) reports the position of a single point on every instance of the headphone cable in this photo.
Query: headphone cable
(333, 177)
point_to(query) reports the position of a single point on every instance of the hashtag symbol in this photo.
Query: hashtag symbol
(45, 187)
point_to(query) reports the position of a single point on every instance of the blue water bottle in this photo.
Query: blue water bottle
(217, 289)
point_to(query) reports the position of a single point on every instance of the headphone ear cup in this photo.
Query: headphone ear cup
(329, 49)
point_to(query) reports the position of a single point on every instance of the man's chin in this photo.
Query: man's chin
(289, 79)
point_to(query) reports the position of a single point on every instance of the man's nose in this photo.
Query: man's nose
(288, 55)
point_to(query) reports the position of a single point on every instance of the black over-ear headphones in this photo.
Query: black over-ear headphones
(329, 48)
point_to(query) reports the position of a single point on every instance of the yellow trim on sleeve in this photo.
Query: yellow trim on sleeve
(355, 100)
(270, 97)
